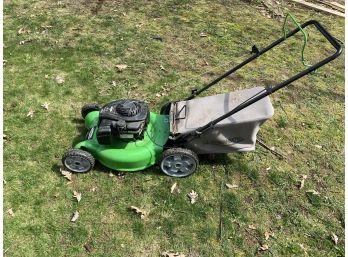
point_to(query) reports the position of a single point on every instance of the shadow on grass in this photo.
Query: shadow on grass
(80, 126)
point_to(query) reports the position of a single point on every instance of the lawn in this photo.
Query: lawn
(65, 53)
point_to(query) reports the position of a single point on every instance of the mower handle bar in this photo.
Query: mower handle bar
(268, 90)
(321, 29)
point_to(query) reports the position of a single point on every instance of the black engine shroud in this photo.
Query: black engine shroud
(122, 119)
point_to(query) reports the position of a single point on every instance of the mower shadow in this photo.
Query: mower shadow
(81, 129)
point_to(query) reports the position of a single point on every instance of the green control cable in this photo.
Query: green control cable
(305, 35)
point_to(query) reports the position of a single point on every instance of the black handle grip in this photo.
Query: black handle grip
(333, 41)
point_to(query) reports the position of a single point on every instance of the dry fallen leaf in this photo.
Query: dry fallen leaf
(174, 188)
(121, 67)
(30, 113)
(75, 216)
(230, 186)
(10, 212)
(20, 31)
(139, 211)
(269, 234)
(88, 247)
(312, 191)
(46, 26)
(45, 105)
(304, 177)
(252, 226)
(303, 248)
(22, 42)
(78, 196)
(171, 254)
(203, 34)
(66, 174)
(60, 79)
(193, 196)
(263, 248)
(334, 238)
(162, 68)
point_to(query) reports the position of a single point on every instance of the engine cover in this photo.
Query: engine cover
(122, 119)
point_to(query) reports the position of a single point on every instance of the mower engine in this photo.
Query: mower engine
(122, 119)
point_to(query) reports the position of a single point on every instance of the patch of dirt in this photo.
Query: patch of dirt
(269, 8)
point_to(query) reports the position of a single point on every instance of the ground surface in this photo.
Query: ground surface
(65, 53)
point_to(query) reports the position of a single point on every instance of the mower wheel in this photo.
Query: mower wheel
(77, 160)
(89, 108)
(179, 162)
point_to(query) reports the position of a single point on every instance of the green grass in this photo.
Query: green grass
(84, 44)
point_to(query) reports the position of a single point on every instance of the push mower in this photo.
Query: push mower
(124, 135)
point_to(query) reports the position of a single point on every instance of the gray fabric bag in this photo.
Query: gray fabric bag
(236, 133)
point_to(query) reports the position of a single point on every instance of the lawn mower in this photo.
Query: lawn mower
(124, 135)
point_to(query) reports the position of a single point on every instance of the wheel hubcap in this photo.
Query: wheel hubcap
(77, 164)
(178, 165)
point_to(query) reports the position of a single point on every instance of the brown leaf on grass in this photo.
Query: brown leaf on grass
(66, 174)
(20, 31)
(174, 188)
(77, 195)
(193, 196)
(60, 79)
(10, 212)
(139, 211)
(121, 67)
(269, 234)
(252, 226)
(313, 192)
(263, 248)
(75, 216)
(303, 248)
(334, 238)
(203, 34)
(46, 26)
(88, 247)
(30, 114)
(302, 182)
(231, 186)
(45, 105)
(22, 42)
(172, 254)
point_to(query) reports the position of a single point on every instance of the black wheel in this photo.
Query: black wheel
(77, 160)
(89, 108)
(179, 162)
